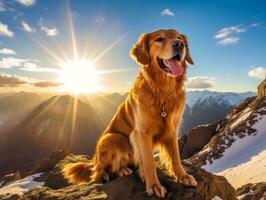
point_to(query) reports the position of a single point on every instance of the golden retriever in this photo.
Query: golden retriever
(148, 119)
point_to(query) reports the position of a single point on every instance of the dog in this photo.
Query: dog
(147, 120)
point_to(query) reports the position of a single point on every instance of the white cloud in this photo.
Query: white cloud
(258, 72)
(200, 82)
(24, 64)
(228, 31)
(167, 12)
(27, 2)
(229, 35)
(5, 31)
(51, 32)
(254, 25)
(33, 67)
(26, 27)
(228, 41)
(11, 62)
(100, 19)
(7, 51)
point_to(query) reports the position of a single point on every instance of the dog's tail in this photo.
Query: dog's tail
(78, 173)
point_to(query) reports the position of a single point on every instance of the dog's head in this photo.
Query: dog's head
(165, 49)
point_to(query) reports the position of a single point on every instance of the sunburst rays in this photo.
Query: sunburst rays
(61, 57)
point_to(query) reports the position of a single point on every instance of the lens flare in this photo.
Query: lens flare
(79, 76)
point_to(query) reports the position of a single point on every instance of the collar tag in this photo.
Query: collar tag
(163, 113)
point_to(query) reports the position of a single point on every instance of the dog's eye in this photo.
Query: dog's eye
(159, 39)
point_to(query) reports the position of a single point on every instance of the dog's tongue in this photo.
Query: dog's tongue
(175, 66)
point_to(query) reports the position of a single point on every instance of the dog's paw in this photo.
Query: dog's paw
(125, 171)
(157, 190)
(188, 180)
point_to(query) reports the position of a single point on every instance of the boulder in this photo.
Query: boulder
(196, 139)
(129, 187)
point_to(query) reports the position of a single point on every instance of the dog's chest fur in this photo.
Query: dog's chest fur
(151, 109)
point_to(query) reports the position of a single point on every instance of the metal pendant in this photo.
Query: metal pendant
(163, 114)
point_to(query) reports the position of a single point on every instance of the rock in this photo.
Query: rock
(54, 179)
(10, 177)
(47, 164)
(252, 191)
(10, 196)
(262, 89)
(197, 138)
(129, 187)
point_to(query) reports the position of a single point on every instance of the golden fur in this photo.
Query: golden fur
(137, 127)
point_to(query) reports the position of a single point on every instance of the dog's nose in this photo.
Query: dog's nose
(178, 44)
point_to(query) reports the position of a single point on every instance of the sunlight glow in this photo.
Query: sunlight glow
(79, 76)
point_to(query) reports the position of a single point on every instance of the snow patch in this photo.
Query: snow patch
(21, 186)
(217, 128)
(216, 198)
(253, 171)
(244, 195)
(241, 150)
(243, 116)
(205, 150)
(1, 183)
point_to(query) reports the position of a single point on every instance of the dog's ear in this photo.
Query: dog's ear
(188, 57)
(140, 51)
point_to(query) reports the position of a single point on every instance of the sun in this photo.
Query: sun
(79, 76)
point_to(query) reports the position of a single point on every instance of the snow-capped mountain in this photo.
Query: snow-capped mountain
(209, 97)
(204, 107)
(238, 140)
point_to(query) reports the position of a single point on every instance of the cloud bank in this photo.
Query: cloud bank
(258, 72)
(200, 82)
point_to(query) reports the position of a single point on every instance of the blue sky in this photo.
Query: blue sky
(227, 39)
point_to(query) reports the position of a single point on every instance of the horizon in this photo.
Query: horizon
(38, 37)
(112, 92)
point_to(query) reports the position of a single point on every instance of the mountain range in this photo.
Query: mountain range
(230, 144)
(33, 125)
(61, 122)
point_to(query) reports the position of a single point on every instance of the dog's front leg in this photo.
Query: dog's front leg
(143, 147)
(171, 146)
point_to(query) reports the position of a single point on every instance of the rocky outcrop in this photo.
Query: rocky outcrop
(196, 139)
(255, 191)
(10, 177)
(128, 187)
(237, 124)
(262, 89)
